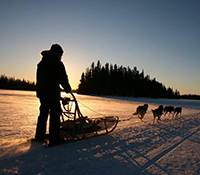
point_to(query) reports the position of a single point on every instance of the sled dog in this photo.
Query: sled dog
(157, 113)
(177, 111)
(141, 111)
(168, 109)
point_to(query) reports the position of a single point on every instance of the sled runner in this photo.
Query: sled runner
(75, 126)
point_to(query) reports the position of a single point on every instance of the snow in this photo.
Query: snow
(134, 147)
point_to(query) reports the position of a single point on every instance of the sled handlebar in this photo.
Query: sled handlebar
(66, 100)
(76, 103)
(73, 96)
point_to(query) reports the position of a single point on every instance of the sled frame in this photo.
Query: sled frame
(74, 115)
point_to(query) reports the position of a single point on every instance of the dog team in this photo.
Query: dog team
(157, 113)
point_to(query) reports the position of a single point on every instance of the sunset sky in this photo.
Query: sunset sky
(161, 37)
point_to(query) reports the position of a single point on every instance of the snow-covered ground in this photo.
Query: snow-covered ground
(134, 147)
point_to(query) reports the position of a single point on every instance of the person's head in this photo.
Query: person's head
(57, 48)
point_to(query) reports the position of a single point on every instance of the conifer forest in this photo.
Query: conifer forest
(16, 84)
(122, 81)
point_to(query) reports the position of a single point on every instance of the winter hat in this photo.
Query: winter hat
(57, 48)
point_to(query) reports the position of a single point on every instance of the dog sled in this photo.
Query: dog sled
(75, 126)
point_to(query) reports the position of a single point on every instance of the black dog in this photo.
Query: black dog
(168, 109)
(157, 113)
(177, 111)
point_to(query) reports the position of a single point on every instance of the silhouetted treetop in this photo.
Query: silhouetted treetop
(121, 81)
(16, 84)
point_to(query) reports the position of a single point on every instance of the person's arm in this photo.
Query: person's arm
(64, 79)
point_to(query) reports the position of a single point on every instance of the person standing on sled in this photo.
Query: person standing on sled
(50, 75)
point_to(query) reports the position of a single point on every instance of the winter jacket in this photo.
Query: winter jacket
(50, 74)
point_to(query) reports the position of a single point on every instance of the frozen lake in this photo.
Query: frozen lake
(134, 147)
(19, 110)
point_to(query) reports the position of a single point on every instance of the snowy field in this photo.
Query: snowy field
(170, 147)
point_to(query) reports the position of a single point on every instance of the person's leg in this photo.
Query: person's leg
(42, 120)
(54, 128)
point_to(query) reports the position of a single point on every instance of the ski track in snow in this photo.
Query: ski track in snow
(162, 154)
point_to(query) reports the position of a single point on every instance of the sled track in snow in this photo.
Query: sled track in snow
(162, 154)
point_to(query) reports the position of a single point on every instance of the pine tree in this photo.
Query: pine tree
(121, 81)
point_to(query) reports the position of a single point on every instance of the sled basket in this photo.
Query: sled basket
(76, 126)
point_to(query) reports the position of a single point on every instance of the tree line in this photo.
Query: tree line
(109, 80)
(122, 81)
(16, 84)
(191, 97)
